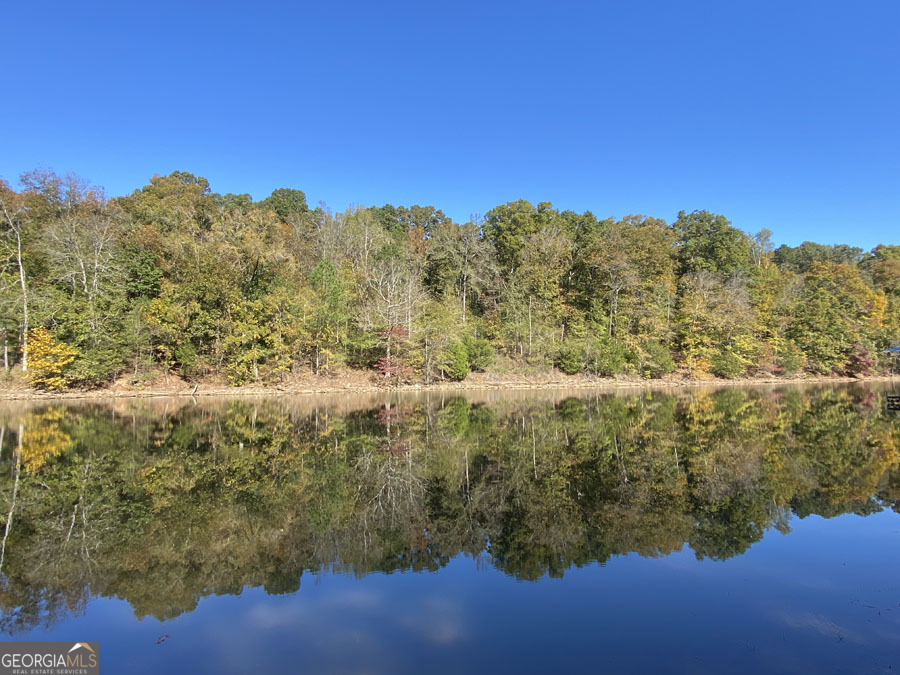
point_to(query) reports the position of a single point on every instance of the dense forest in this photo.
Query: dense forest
(176, 280)
(162, 506)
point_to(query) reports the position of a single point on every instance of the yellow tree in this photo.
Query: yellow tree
(50, 360)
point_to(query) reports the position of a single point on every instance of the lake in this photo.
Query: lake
(686, 531)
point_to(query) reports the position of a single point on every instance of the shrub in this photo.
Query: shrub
(454, 361)
(659, 360)
(570, 358)
(727, 364)
(791, 359)
(392, 367)
(479, 352)
(861, 362)
(49, 361)
(97, 366)
(606, 357)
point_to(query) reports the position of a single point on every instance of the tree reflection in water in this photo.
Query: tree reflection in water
(161, 508)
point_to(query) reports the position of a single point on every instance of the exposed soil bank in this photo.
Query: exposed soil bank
(329, 385)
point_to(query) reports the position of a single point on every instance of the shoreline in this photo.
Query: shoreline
(316, 388)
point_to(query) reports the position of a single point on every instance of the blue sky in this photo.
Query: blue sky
(776, 114)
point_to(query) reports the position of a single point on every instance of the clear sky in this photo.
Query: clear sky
(782, 114)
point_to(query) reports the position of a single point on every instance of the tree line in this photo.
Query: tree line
(177, 280)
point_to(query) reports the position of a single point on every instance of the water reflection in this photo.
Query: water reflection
(163, 506)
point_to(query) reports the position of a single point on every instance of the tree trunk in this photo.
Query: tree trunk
(409, 307)
(467, 470)
(613, 312)
(529, 325)
(12, 506)
(24, 302)
(464, 301)
(427, 362)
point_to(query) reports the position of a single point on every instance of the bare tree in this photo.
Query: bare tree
(81, 244)
(13, 207)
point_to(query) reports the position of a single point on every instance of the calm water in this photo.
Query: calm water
(738, 530)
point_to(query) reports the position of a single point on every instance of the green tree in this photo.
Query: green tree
(177, 201)
(285, 203)
(835, 313)
(707, 242)
(454, 361)
(799, 259)
(508, 226)
(328, 321)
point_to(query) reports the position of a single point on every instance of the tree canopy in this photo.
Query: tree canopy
(177, 280)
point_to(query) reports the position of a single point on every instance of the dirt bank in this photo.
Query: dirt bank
(362, 384)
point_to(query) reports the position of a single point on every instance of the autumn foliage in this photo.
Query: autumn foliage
(175, 279)
(49, 360)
